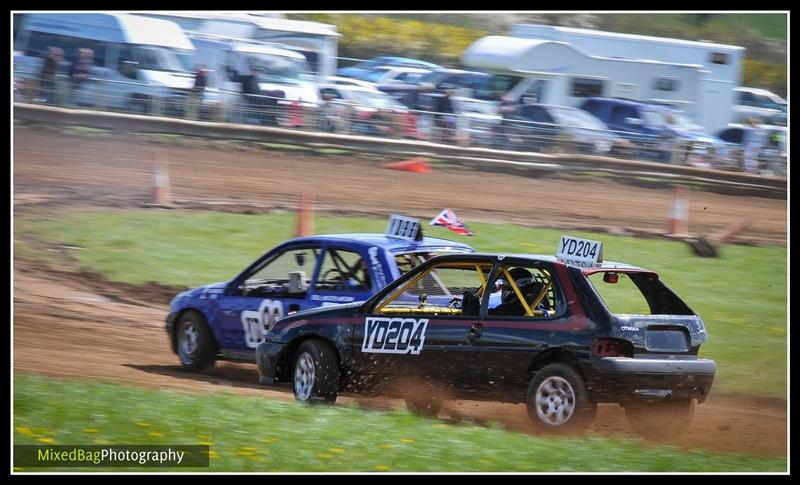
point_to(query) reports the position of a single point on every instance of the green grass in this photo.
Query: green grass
(256, 434)
(742, 296)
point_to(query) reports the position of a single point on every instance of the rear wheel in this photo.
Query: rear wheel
(196, 346)
(316, 372)
(661, 421)
(558, 400)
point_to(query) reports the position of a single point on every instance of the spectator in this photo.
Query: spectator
(196, 96)
(47, 76)
(251, 93)
(80, 70)
(444, 115)
(752, 141)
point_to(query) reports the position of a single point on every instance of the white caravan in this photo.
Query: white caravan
(562, 74)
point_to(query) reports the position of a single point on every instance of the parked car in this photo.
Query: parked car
(773, 151)
(362, 110)
(757, 103)
(384, 75)
(226, 321)
(658, 132)
(530, 329)
(545, 128)
(348, 81)
(365, 67)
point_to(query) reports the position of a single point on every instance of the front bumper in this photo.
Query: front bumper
(624, 379)
(267, 357)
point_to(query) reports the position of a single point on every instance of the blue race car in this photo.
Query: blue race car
(228, 320)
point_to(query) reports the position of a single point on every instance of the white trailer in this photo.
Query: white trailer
(561, 73)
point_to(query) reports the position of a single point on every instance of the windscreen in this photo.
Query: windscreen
(279, 69)
(156, 58)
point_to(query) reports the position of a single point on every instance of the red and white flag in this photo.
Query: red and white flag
(448, 219)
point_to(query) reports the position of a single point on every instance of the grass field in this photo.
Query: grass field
(742, 296)
(253, 434)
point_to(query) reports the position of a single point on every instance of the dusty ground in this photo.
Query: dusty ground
(117, 170)
(67, 325)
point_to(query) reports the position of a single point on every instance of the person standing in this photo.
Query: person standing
(753, 141)
(47, 76)
(79, 72)
(196, 96)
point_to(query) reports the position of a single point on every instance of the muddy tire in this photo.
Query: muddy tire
(197, 349)
(661, 421)
(558, 401)
(315, 374)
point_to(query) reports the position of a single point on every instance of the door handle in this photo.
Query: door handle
(476, 330)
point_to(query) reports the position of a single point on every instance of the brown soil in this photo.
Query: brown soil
(73, 325)
(116, 170)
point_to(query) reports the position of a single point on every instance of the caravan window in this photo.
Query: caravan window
(585, 87)
(719, 58)
(666, 84)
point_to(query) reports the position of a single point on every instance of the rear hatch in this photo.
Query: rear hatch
(659, 334)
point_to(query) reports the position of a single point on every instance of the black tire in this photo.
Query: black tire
(661, 420)
(316, 372)
(195, 343)
(429, 406)
(558, 400)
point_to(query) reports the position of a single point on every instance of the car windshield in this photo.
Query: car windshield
(578, 118)
(156, 58)
(279, 69)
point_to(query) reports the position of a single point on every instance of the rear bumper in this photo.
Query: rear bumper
(623, 379)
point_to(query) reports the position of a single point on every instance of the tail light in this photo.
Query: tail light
(611, 347)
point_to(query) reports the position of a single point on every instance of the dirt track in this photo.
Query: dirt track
(64, 327)
(118, 169)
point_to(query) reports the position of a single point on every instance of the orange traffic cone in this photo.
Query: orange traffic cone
(416, 165)
(160, 190)
(305, 216)
(679, 215)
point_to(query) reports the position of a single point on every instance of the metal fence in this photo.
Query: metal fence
(464, 129)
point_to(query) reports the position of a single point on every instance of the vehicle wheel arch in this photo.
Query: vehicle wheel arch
(287, 357)
(176, 327)
(555, 355)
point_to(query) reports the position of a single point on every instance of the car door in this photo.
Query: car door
(510, 338)
(275, 286)
(421, 328)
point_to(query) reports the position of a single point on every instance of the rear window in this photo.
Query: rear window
(638, 294)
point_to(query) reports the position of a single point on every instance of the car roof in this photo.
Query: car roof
(514, 258)
(391, 244)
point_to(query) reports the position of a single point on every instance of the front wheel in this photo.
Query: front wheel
(662, 420)
(196, 347)
(316, 372)
(558, 400)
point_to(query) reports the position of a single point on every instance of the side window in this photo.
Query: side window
(666, 84)
(584, 87)
(284, 275)
(334, 94)
(537, 114)
(448, 289)
(620, 112)
(523, 291)
(127, 66)
(407, 261)
(746, 98)
(719, 58)
(343, 270)
(592, 106)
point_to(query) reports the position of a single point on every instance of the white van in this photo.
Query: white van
(278, 70)
(139, 62)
